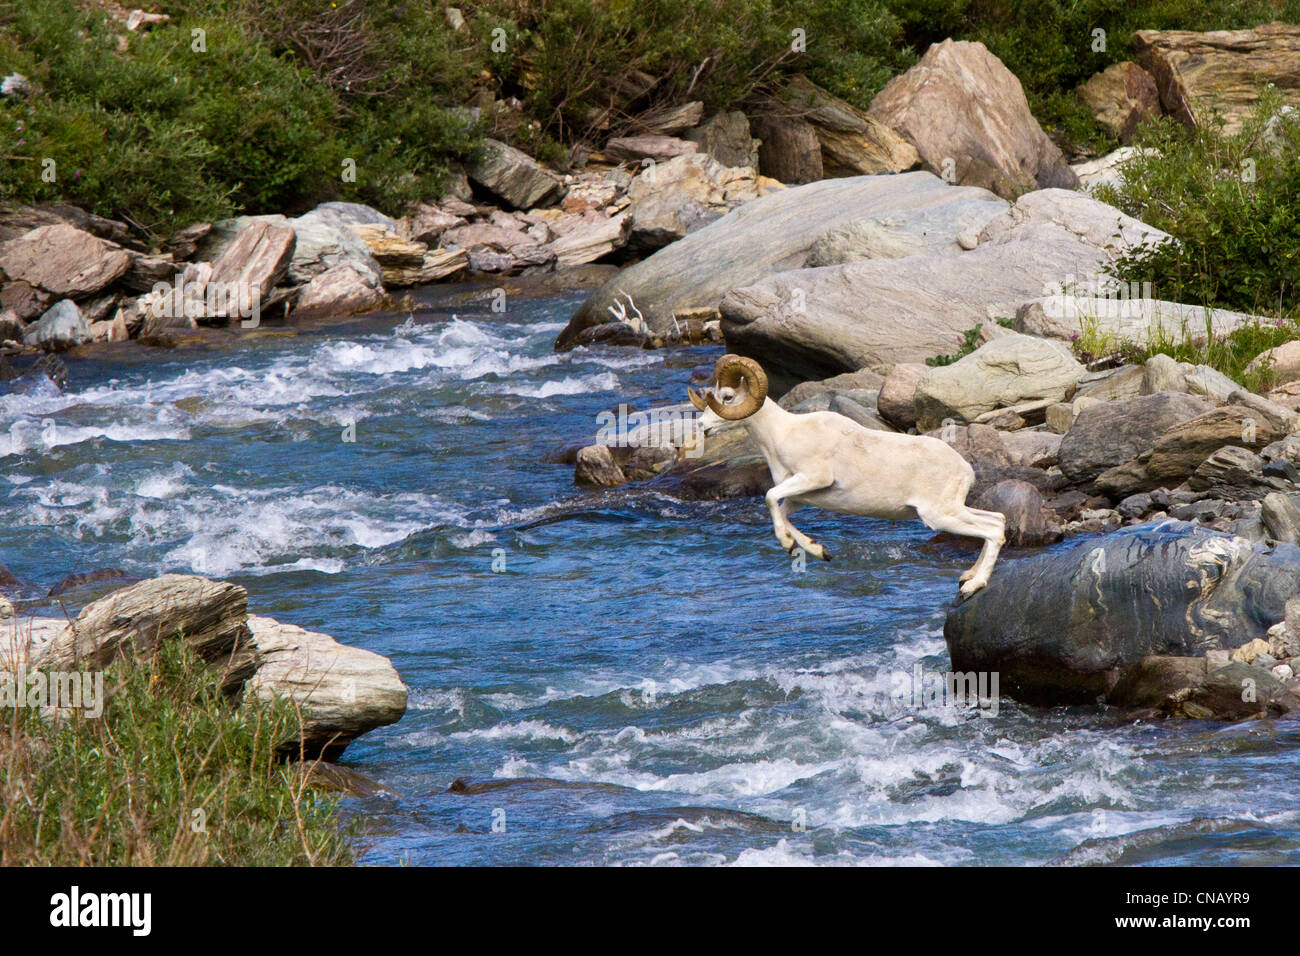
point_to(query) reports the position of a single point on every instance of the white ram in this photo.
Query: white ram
(829, 461)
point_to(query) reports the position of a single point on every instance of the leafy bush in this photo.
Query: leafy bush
(170, 774)
(1231, 202)
(163, 134)
(575, 63)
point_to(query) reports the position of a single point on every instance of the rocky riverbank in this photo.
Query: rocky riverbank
(343, 692)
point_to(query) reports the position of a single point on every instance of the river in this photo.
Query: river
(618, 677)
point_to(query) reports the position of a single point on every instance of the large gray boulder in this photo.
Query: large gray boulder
(1009, 370)
(814, 323)
(766, 236)
(1061, 627)
(940, 229)
(967, 115)
(1110, 433)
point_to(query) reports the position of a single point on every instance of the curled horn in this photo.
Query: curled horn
(696, 399)
(729, 372)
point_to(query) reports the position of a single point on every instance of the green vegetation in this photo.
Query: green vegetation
(970, 341)
(1233, 204)
(170, 774)
(262, 111)
(257, 112)
(1230, 353)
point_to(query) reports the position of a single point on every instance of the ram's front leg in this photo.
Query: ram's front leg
(786, 533)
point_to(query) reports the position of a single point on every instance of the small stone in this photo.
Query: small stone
(1195, 711)
(596, 466)
(1250, 650)
(1283, 672)
(1216, 659)
(1060, 417)
(968, 240)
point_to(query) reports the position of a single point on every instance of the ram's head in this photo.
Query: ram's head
(739, 390)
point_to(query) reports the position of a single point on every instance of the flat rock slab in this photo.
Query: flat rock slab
(1126, 320)
(63, 260)
(515, 176)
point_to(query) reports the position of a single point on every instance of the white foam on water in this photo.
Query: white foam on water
(569, 385)
(524, 730)
(783, 853)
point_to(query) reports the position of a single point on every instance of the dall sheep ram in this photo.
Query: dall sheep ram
(829, 461)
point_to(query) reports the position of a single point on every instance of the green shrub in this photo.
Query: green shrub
(1233, 205)
(568, 59)
(163, 134)
(170, 774)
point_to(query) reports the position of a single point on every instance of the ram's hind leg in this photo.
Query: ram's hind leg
(973, 523)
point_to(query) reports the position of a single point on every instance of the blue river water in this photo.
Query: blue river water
(617, 677)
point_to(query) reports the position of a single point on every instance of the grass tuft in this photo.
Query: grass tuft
(171, 774)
